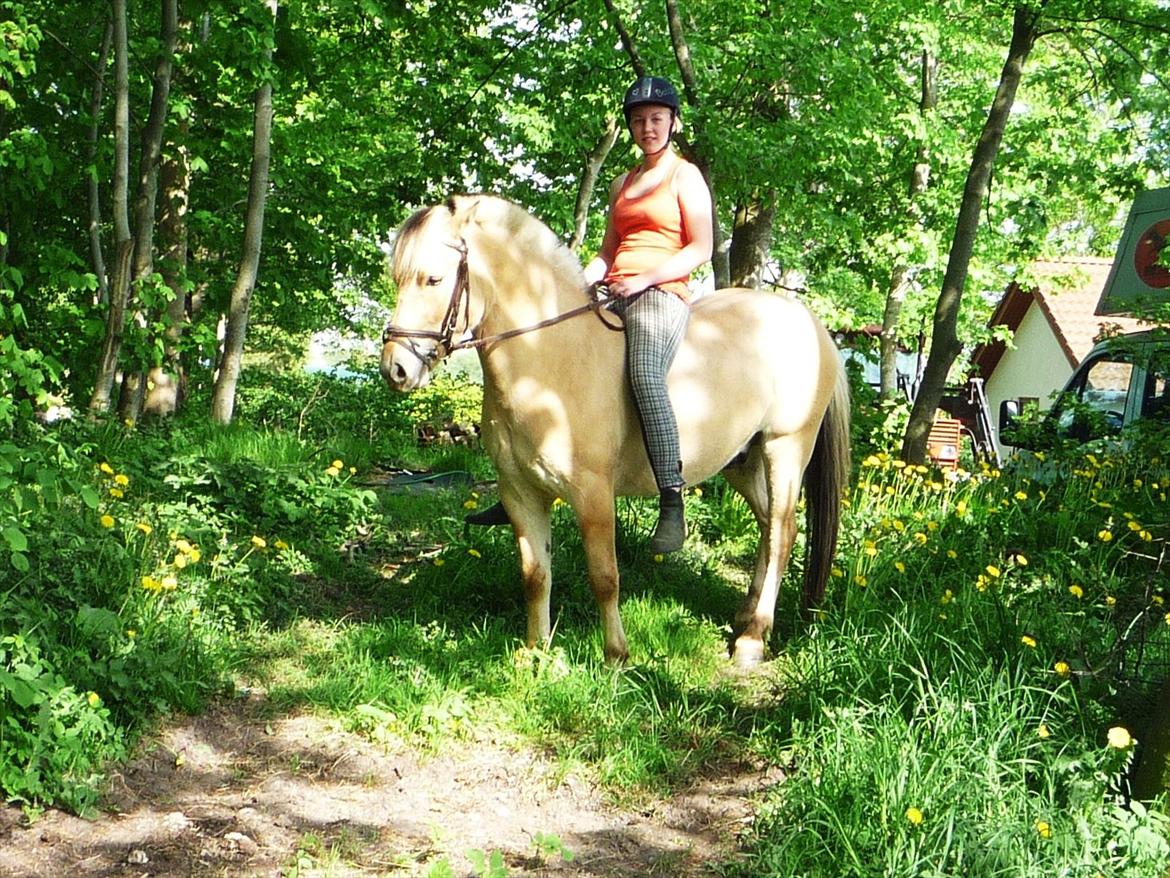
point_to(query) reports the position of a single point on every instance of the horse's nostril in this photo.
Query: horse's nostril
(398, 373)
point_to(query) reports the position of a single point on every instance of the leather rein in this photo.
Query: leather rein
(461, 301)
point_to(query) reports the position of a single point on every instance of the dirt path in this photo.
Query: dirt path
(234, 794)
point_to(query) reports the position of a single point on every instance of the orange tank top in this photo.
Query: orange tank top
(650, 229)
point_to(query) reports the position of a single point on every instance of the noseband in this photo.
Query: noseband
(460, 300)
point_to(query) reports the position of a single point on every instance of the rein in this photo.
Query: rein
(461, 298)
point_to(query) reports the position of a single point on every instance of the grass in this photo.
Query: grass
(948, 712)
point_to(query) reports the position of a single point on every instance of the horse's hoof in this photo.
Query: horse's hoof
(617, 658)
(747, 652)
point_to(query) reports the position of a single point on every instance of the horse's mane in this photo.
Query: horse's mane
(486, 218)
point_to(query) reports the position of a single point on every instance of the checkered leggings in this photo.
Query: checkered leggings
(655, 324)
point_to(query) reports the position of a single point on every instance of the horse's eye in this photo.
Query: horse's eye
(434, 280)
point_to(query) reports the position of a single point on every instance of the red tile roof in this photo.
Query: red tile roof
(1067, 295)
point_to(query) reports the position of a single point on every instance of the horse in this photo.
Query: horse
(758, 389)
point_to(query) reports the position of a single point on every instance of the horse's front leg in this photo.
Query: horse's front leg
(595, 518)
(533, 529)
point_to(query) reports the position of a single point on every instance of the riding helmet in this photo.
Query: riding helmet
(650, 90)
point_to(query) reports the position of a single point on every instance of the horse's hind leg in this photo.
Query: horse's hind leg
(784, 459)
(749, 478)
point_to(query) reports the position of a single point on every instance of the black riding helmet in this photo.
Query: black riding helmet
(650, 90)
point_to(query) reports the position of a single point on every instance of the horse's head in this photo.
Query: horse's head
(434, 306)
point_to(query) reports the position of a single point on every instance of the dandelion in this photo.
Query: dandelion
(899, 525)
(150, 583)
(920, 538)
(1028, 641)
(122, 480)
(144, 527)
(981, 583)
(94, 699)
(259, 542)
(169, 582)
(932, 526)
(1042, 731)
(1076, 591)
(961, 507)
(180, 562)
(438, 562)
(837, 572)
(1157, 600)
(659, 558)
(117, 493)
(1043, 829)
(353, 470)
(470, 504)
(993, 571)
(1134, 526)
(1119, 738)
(107, 521)
(475, 553)
(952, 554)
(131, 633)
(337, 464)
(1145, 535)
(1062, 669)
(333, 471)
(899, 566)
(106, 468)
(281, 545)
(947, 597)
(870, 548)
(1021, 561)
(861, 579)
(914, 815)
(697, 492)
(1021, 495)
(1105, 535)
(871, 461)
(1110, 600)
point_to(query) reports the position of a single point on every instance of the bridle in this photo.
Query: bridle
(461, 301)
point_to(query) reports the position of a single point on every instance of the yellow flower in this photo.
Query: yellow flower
(1135, 526)
(150, 583)
(107, 521)
(947, 596)
(899, 526)
(992, 571)
(116, 493)
(1157, 600)
(470, 504)
(861, 579)
(1028, 641)
(144, 527)
(474, 553)
(1076, 591)
(169, 583)
(1119, 738)
(952, 554)
(920, 538)
(961, 507)
(870, 548)
(1021, 560)
(194, 555)
(1043, 731)
(914, 816)
(94, 699)
(353, 470)
(1043, 829)
(1020, 495)
(899, 566)
(871, 461)
(1062, 669)
(106, 468)
(333, 471)
(281, 545)
(259, 542)
(1167, 618)
(837, 572)
(131, 633)
(1145, 535)
(697, 492)
(1105, 535)
(337, 464)
(659, 558)
(439, 562)
(122, 480)
(1110, 600)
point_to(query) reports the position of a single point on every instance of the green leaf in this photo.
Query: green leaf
(89, 496)
(17, 541)
(19, 562)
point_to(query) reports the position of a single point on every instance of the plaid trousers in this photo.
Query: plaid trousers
(655, 323)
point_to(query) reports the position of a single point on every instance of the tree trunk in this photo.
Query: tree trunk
(593, 163)
(751, 241)
(94, 191)
(945, 347)
(166, 384)
(130, 403)
(224, 396)
(899, 277)
(99, 402)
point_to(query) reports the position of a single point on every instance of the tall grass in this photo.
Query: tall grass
(949, 711)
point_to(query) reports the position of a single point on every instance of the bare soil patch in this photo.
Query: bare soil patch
(236, 792)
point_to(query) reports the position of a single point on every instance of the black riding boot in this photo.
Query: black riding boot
(672, 524)
(489, 517)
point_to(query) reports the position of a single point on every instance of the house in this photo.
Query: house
(1053, 327)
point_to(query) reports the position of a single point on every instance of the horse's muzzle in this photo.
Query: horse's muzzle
(404, 365)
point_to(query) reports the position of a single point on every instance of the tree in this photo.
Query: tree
(224, 398)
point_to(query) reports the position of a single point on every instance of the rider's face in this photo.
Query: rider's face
(650, 126)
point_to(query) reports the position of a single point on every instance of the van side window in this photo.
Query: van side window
(1156, 395)
(1097, 406)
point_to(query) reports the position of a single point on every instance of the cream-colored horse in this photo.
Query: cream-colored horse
(757, 387)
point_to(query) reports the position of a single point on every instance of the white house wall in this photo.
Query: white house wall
(1036, 367)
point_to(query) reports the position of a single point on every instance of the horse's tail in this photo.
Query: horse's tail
(824, 482)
